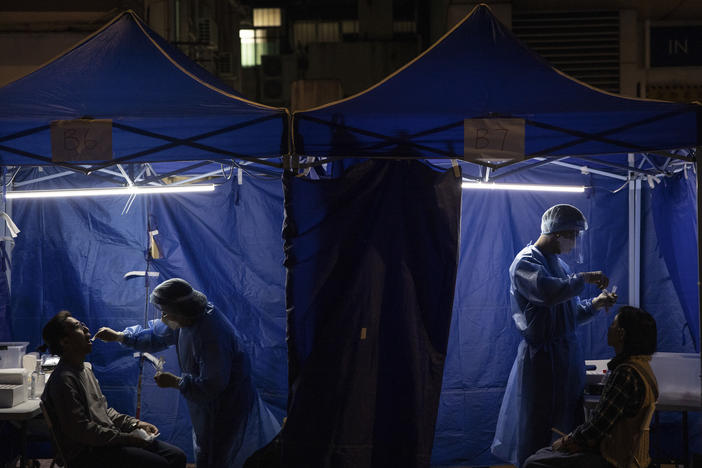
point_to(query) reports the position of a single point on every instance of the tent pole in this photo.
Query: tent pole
(699, 253)
(699, 243)
(8, 210)
(634, 235)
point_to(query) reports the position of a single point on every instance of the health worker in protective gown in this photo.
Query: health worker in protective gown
(545, 385)
(230, 421)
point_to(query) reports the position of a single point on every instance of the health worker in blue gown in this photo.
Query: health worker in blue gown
(230, 421)
(545, 385)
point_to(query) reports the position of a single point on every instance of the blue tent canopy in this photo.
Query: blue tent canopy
(479, 69)
(166, 110)
(169, 117)
(163, 106)
(574, 134)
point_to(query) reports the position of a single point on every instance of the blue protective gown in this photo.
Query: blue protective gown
(230, 421)
(546, 382)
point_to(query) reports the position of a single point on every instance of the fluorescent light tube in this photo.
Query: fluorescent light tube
(100, 192)
(524, 187)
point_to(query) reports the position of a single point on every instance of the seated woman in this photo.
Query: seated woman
(616, 434)
(88, 432)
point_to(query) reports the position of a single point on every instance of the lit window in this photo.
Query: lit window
(404, 26)
(304, 32)
(266, 17)
(307, 32)
(266, 43)
(257, 42)
(328, 32)
(349, 27)
(248, 47)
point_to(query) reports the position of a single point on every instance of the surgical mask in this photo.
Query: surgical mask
(170, 323)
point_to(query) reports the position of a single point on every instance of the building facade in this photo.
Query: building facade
(304, 53)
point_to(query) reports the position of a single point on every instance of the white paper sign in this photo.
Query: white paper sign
(81, 140)
(493, 139)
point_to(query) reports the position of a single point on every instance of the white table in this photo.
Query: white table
(19, 415)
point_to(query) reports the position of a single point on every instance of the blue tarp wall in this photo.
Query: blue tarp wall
(73, 254)
(483, 341)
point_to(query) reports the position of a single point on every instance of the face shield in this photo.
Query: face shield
(571, 246)
(178, 302)
(166, 318)
(568, 225)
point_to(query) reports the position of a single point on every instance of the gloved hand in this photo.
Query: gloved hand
(167, 380)
(605, 299)
(107, 334)
(595, 277)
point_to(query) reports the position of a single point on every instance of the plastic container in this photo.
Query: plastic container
(16, 376)
(38, 384)
(13, 386)
(12, 395)
(11, 354)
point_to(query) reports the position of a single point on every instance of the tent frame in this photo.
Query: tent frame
(172, 142)
(547, 152)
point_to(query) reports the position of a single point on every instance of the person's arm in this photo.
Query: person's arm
(621, 388)
(156, 337)
(538, 286)
(127, 423)
(214, 356)
(586, 309)
(123, 422)
(69, 406)
(584, 312)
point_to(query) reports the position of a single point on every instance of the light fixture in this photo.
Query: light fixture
(523, 187)
(101, 192)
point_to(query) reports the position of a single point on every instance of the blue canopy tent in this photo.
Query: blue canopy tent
(172, 124)
(86, 245)
(479, 69)
(634, 156)
(163, 106)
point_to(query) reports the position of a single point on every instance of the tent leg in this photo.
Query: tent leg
(698, 153)
(10, 245)
(634, 236)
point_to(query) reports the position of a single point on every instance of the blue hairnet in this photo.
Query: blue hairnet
(562, 217)
(180, 297)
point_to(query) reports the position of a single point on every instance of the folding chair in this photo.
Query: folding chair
(59, 459)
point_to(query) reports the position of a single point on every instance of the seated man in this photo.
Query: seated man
(616, 434)
(88, 432)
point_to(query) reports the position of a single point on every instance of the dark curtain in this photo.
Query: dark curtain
(371, 260)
